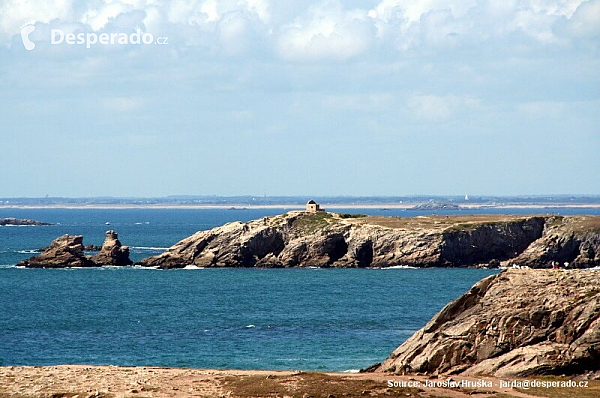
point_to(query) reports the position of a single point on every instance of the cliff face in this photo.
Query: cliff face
(300, 239)
(574, 240)
(517, 323)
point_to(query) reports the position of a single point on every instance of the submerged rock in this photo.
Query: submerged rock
(514, 324)
(64, 251)
(112, 252)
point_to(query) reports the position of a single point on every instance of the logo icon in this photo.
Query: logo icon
(25, 31)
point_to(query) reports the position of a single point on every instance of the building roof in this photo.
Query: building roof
(311, 202)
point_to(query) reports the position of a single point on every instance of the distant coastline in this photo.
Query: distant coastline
(406, 205)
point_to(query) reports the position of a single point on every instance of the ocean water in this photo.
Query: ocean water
(310, 319)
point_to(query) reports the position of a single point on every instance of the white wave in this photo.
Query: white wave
(191, 266)
(400, 267)
(138, 223)
(140, 267)
(28, 251)
(9, 266)
(352, 371)
(250, 326)
(147, 248)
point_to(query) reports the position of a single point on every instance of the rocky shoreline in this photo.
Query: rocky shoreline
(322, 239)
(517, 323)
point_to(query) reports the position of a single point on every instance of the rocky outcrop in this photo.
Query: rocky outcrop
(516, 323)
(112, 252)
(21, 222)
(436, 206)
(573, 240)
(64, 251)
(68, 251)
(302, 239)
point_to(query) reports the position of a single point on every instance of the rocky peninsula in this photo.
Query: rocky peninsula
(517, 323)
(322, 239)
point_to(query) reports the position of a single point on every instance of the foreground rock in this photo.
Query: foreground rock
(516, 323)
(64, 251)
(112, 252)
(69, 251)
(21, 222)
(302, 239)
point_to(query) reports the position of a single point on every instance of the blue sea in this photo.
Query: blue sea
(308, 319)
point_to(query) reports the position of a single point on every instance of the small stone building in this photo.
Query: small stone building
(313, 206)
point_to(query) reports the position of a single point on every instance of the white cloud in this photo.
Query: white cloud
(327, 32)
(412, 10)
(321, 29)
(358, 102)
(542, 109)
(97, 18)
(122, 104)
(209, 11)
(585, 21)
(14, 13)
(436, 108)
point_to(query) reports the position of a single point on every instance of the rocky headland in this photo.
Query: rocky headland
(517, 323)
(69, 251)
(322, 239)
(21, 222)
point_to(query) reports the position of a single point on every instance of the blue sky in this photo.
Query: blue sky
(383, 97)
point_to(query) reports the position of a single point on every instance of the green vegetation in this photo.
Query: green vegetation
(448, 223)
(311, 222)
(469, 227)
(348, 215)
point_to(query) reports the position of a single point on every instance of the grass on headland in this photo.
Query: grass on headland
(311, 222)
(348, 215)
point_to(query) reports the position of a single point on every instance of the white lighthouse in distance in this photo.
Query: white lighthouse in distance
(466, 198)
